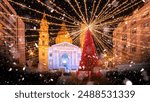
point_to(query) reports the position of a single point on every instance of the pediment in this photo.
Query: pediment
(65, 44)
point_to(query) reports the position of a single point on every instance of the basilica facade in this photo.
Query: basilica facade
(62, 55)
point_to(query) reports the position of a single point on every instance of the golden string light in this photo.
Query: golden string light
(100, 42)
(100, 18)
(64, 14)
(116, 39)
(76, 12)
(59, 8)
(36, 20)
(80, 10)
(92, 18)
(116, 8)
(85, 7)
(108, 16)
(72, 34)
(54, 17)
(107, 46)
(93, 9)
(96, 22)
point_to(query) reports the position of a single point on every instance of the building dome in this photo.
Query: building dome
(63, 35)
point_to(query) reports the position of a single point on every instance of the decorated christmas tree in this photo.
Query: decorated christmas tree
(88, 58)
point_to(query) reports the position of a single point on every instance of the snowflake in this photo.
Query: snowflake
(34, 27)
(16, 69)
(10, 69)
(36, 45)
(142, 70)
(24, 68)
(22, 78)
(64, 15)
(41, 75)
(52, 10)
(127, 82)
(144, 0)
(14, 63)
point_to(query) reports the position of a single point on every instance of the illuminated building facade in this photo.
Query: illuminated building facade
(62, 55)
(131, 39)
(12, 31)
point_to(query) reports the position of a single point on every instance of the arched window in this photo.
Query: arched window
(50, 54)
(124, 37)
(64, 59)
(146, 14)
(146, 24)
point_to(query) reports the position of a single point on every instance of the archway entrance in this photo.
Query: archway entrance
(65, 61)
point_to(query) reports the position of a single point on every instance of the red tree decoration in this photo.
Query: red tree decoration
(88, 59)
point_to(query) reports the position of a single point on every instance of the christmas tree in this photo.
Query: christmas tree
(88, 59)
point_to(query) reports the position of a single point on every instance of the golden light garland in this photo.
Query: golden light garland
(95, 20)
(50, 8)
(19, 4)
(83, 20)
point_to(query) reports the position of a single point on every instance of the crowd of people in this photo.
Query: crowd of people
(136, 77)
(13, 74)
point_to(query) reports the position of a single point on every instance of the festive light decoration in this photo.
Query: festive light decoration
(95, 20)
(101, 18)
(19, 4)
(89, 58)
(43, 45)
(52, 10)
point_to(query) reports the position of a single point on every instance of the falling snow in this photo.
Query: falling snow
(14, 73)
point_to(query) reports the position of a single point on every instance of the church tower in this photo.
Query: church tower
(43, 45)
(63, 35)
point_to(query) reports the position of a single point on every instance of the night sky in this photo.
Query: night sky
(22, 11)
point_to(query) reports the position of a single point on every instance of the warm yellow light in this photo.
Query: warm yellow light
(90, 27)
(105, 55)
(110, 59)
(63, 35)
(83, 29)
(31, 53)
